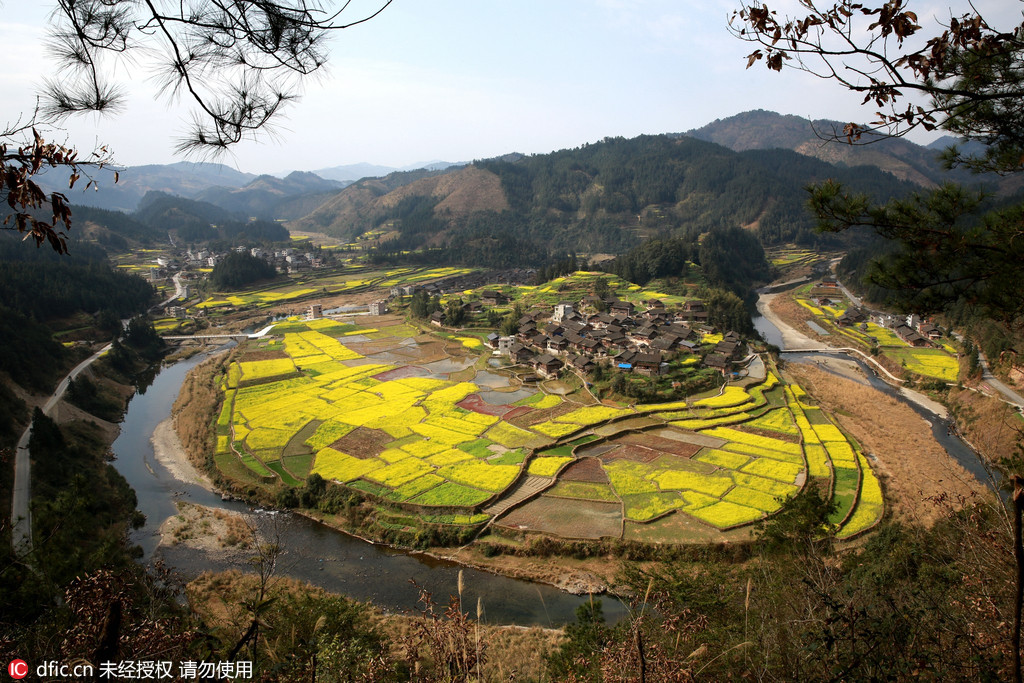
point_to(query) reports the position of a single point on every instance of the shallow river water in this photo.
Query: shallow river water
(940, 427)
(313, 552)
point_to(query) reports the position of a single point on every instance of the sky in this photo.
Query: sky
(459, 80)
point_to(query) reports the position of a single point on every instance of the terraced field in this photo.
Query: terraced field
(380, 415)
(355, 279)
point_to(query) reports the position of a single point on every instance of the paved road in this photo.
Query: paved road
(21, 513)
(986, 374)
(179, 293)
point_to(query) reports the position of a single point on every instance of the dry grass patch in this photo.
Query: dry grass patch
(581, 519)
(913, 466)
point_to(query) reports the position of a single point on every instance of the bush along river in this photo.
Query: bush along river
(940, 425)
(313, 552)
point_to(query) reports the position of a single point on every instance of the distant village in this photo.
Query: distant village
(911, 328)
(574, 334)
(286, 260)
(580, 334)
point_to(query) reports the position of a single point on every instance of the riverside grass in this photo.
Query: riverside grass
(441, 454)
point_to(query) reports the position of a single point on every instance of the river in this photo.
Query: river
(343, 564)
(954, 446)
(313, 552)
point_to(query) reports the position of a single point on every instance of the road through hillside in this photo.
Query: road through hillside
(21, 513)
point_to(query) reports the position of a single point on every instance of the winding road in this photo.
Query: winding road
(21, 512)
(1009, 395)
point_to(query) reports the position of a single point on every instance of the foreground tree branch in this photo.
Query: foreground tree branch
(238, 62)
(968, 78)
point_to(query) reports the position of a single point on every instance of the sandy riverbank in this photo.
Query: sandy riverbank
(224, 533)
(791, 337)
(171, 454)
(204, 529)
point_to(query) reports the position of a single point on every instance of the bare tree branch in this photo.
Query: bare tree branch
(970, 74)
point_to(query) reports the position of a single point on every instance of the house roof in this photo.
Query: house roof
(664, 343)
(547, 359)
(581, 360)
(715, 360)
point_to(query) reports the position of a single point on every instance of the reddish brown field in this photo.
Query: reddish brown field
(585, 469)
(362, 442)
(658, 443)
(478, 405)
(631, 452)
(517, 411)
(536, 416)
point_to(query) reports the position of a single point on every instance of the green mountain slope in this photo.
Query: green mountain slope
(598, 198)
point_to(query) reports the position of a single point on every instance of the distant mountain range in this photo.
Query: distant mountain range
(353, 172)
(902, 158)
(748, 170)
(601, 198)
(183, 178)
(225, 186)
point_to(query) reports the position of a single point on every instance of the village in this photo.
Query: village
(911, 328)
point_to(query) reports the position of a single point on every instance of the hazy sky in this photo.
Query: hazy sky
(454, 81)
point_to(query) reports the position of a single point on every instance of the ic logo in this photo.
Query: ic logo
(18, 668)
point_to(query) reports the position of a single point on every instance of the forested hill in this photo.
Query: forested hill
(904, 159)
(602, 197)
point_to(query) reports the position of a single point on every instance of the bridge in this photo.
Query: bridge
(240, 336)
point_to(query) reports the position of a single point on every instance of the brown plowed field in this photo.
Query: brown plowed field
(536, 416)
(585, 469)
(478, 405)
(791, 438)
(658, 443)
(362, 442)
(516, 411)
(631, 452)
(568, 519)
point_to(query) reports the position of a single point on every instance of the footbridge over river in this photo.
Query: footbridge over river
(205, 338)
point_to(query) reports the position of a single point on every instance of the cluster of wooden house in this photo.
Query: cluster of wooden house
(579, 335)
(923, 333)
(910, 328)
